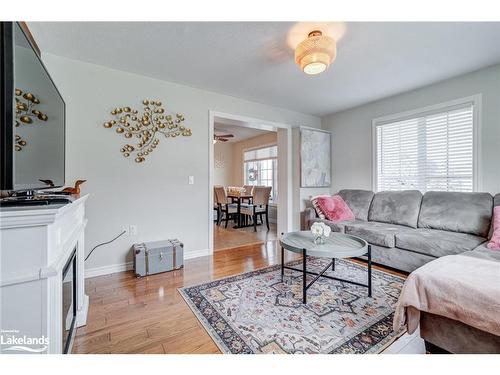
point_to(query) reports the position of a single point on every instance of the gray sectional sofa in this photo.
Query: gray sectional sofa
(407, 229)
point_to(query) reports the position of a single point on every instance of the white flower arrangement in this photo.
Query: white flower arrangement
(320, 231)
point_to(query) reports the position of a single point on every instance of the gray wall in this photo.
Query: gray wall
(352, 129)
(154, 195)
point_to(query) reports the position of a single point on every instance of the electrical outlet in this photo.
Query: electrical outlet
(125, 229)
(191, 180)
(133, 230)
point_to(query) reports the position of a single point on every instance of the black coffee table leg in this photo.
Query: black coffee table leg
(282, 263)
(304, 274)
(333, 264)
(369, 270)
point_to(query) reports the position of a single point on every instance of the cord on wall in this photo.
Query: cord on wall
(104, 243)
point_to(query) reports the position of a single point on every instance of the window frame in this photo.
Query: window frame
(475, 100)
(243, 161)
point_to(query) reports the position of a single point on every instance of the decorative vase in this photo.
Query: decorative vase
(319, 240)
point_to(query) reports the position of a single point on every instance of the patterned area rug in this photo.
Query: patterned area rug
(257, 313)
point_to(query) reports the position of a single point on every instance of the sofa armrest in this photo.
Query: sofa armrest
(307, 215)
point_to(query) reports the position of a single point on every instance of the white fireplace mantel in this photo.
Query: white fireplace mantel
(35, 245)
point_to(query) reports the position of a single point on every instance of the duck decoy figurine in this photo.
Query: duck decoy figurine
(74, 190)
(48, 182)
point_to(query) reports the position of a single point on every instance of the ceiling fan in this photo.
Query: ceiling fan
(222, 138)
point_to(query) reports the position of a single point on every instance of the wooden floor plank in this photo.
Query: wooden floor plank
(148, 315)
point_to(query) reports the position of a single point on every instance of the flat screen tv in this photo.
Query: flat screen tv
(32, 127)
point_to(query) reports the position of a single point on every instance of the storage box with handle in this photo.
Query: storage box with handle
(160, 256)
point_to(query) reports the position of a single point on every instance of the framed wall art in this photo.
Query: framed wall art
(315, 158)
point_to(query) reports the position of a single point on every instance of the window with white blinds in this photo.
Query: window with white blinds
(430, 151)
(261, 168)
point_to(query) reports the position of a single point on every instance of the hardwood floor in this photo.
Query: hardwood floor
(231, 238)
(148, 315)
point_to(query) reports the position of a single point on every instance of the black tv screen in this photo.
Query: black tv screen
(33, 117)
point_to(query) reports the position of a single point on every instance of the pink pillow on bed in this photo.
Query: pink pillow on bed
(494, 243)
(335, 208)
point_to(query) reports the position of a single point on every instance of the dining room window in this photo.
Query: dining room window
(261, 168)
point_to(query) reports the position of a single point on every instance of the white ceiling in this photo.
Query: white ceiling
(240, 132)
(255, 61)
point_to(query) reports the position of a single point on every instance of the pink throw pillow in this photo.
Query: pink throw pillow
(314, 201)
(494, 243)
(335, 208)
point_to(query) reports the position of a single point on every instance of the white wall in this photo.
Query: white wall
(154, 195)
(224, 164)
(352, 132)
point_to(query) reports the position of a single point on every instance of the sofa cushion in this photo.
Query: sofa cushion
(359, 201)
(496, 200)
(375, 233)
(457, 212)
(437, 242)
(496, 203)
(484, 253)
(396, 207)
(339, 226)
(400, 259)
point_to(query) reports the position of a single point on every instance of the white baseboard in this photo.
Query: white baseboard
(196, 253)
(106, 270)
(121, 267)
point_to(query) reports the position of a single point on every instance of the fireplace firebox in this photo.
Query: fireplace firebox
(68, 302)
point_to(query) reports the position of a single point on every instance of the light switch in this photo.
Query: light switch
(191, 180)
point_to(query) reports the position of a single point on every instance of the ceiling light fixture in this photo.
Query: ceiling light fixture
(315, 53)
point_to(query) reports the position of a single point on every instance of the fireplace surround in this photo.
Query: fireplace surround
(40, 246)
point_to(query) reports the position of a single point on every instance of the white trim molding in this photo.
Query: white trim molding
(128, 266)
(284, 142)
(196, 254)
(476, 100)
(107, 270)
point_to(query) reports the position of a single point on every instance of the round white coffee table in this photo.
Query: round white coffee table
(336, 246)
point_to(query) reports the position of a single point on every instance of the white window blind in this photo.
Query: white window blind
(261, 153)
(261, 168)
(427, 152)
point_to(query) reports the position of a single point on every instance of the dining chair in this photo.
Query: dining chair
(225, 209)
(248, 191)
(260, 205)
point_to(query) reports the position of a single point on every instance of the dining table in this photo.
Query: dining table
(238, 198)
